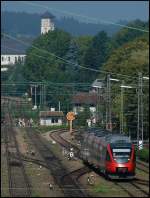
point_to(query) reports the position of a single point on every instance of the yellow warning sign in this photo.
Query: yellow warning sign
(70, 116)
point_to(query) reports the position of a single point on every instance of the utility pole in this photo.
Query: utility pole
(98, 104)
(44, 97)
(108, 109)
(35, 94)
(121, 110)
(59, 105)
(141, 92)
(140, 109)
(40, 95)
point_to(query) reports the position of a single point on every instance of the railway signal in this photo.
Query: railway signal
(70, 117)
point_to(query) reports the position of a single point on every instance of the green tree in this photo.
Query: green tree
(41, 62)
(125, 34)
(130, 59)
(81, 118)
(72, 57)
(96, 54)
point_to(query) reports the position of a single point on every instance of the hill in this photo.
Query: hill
(25, 24)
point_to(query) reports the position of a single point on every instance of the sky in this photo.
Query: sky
(102, 10)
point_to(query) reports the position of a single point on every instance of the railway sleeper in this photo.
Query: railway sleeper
(15, 162)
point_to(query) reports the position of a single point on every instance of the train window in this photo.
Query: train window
(121, 155)
(108, 157)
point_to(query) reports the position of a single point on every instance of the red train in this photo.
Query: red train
(112, 154)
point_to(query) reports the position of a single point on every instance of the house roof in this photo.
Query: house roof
(47, 15)
(86, 98)
(51, 114)
(98, 83)
(13, 47)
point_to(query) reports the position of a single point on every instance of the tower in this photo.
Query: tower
(47, 23)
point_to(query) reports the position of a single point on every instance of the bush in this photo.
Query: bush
(143, 154)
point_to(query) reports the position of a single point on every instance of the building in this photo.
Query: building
(98, 84)
(82, 99)
(13, 51)
(51, 118)
(47, 23)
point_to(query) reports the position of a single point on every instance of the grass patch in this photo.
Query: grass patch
(100, 188)
(35, 195)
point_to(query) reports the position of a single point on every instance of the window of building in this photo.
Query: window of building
(2, 58)
(15, 59)
(19, 59)
(54, 120)
(9, 58)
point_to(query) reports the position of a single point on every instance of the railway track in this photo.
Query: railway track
(19, 185)
(132, 188)
(57, 137)
(142, 166)
(60, 174)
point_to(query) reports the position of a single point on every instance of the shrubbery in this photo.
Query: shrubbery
(143, 154)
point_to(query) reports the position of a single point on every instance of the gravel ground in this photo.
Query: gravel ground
(4, 174)
(40, 177)
(70, 164)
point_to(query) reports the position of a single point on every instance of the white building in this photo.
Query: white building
(11, 59)
(47, 23)
(51, 118)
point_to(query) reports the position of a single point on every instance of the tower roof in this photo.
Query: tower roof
(47, 15)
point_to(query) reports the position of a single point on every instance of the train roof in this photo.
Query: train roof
(108, 136)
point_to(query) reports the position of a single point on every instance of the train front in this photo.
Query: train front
(120, 160)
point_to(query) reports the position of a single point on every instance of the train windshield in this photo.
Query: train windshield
(121, 155)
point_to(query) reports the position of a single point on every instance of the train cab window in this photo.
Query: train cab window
(108, 157)
(121, 155)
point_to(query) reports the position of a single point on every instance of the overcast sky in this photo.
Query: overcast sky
(102, 10)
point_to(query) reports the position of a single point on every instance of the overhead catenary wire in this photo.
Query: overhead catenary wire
(68, 62)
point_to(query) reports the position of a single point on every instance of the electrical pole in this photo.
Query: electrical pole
(108, 107)
(141, 92)
(121, 110)
(98, 101)
(44, 94)
(106, 99)
(35, 95)
(40, 95)
(140, 109)
(59, 105)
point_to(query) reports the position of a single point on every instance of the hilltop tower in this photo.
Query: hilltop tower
(47, 23)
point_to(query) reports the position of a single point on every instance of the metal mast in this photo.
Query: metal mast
(121, 109)
(108, 107)
(140, 109)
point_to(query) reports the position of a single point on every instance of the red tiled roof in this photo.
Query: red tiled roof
(86, 98)
(51, 113)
